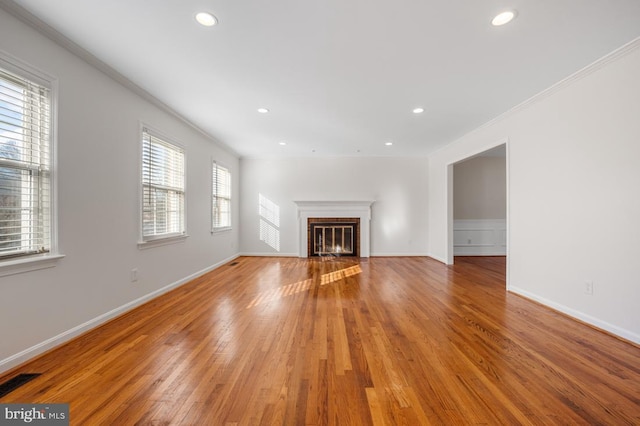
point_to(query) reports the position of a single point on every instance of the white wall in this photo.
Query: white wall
(574, 203)
(397, 185)
(98, 187)
(480, 189)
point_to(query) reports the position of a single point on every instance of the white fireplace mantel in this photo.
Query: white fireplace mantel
(331, 209)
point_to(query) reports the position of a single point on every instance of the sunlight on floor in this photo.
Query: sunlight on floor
(340, 274)
(300, 286)
(281, 292)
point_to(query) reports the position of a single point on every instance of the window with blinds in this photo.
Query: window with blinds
(163, 191)
(25, 166)
(221, 198)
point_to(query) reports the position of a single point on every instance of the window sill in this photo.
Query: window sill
(28, 264)
(143, 245)
(218, 230)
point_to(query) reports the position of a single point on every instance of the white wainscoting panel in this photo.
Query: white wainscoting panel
(480, 237)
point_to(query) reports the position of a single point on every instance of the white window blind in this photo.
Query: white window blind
(25, 166)
(221, 200)
(162, 188)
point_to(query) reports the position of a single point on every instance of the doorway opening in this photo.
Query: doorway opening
(478, 205)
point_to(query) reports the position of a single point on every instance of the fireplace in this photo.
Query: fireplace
(333, 236)
(335, 215)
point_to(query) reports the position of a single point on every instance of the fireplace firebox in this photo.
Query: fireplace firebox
(333, 236)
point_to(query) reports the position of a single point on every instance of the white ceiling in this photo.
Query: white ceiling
(341, 77)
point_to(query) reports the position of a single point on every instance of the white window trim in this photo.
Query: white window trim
(214, 230)
(162, 241)
(167, 239)
(27, 264)
(221, 229)
(36, 262)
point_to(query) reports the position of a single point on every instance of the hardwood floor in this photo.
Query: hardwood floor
(384, 341)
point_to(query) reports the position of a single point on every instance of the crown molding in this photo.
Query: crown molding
(607, 59)
(48, 31)
(611, 57)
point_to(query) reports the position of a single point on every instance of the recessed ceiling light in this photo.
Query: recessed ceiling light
(263, 110)
(283, 143)
(206, 19)
(503, 18)
(388, 143)
(418, 110)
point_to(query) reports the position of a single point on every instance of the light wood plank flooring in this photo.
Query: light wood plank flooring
(383, 341)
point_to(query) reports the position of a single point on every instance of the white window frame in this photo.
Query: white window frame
(49, 257)
(214, 196)
(152, 240)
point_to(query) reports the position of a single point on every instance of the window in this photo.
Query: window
(221, 198)
(162, 188)
(25, 163)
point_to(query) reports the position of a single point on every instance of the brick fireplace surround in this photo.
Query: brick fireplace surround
(331, 210)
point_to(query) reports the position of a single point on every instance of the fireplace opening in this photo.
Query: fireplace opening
(333, 237)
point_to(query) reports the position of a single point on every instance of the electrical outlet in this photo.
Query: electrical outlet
(134, 275)
(588, 288)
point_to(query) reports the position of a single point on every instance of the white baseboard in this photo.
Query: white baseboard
(603, 325)
(438, 258)
(371, 255)
(399, 255)
(261, 254)
(472, 253)
(42, 347)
